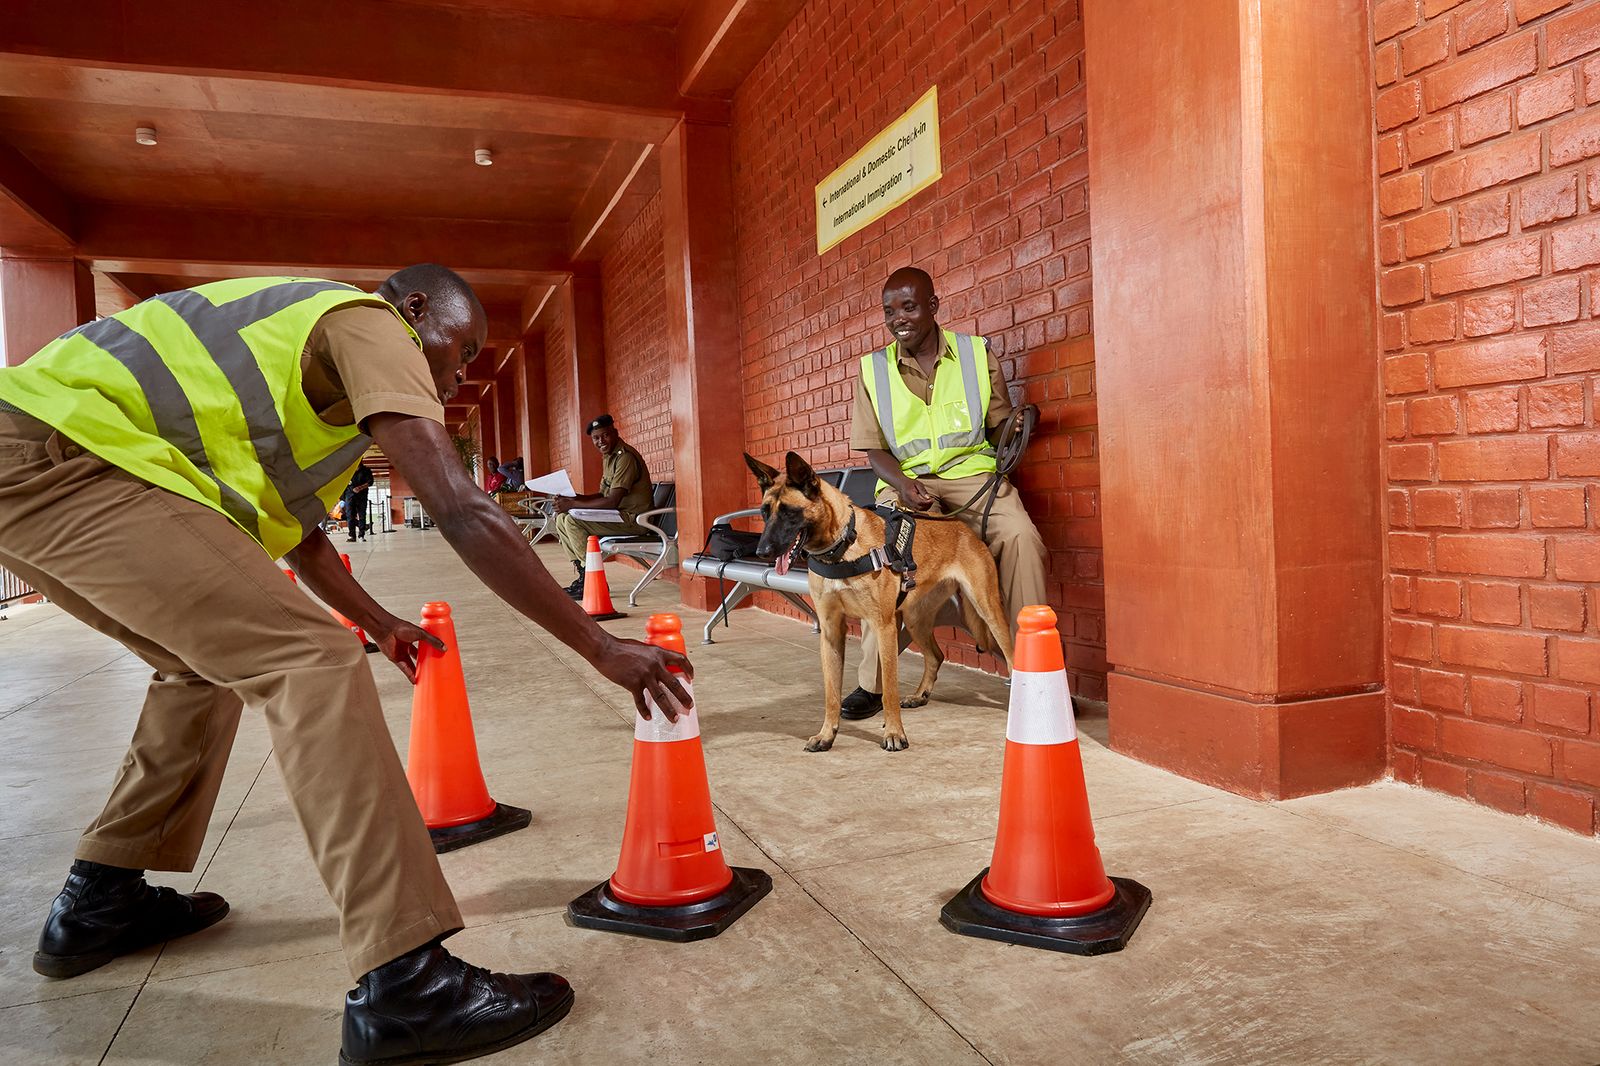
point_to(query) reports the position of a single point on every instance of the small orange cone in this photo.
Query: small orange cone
(672, 881)
(361, 635)
(442, 763)
(1045, 886)
(596, 592)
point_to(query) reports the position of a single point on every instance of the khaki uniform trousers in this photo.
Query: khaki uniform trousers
(574, 534)
(181, 587)
(1019, 556)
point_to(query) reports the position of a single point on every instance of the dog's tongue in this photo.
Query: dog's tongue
(781, 564)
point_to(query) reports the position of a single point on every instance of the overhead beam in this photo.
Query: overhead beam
(721, 41)
(618, 171)
(33, 212)
(534, 302)
(114, 235)
(563, 72)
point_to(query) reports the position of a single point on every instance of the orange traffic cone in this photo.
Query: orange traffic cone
(370, 646)
(290, 575)
(442, 764)
(672, 882)
(1045, 886)
(596, 592)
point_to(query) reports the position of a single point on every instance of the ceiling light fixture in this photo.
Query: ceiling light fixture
(145, 135)
(483, 157)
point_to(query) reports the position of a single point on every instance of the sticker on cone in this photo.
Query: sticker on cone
(442, 762)
(596, 590)
(1045, 886)
(672, 881)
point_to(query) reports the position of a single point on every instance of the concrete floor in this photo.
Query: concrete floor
(1377, 925)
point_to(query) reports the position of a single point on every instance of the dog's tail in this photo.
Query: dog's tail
(976, 626)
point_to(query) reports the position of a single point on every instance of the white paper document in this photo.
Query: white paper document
(558, 483)
(595, 514)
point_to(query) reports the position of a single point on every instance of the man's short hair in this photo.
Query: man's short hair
(603, 422)
(439, 282)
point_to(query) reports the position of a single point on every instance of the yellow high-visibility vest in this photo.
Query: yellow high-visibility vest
(199, 392)
(945, 436)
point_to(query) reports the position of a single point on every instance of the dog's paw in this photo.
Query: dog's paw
(895, 742)
(819, 743)
(914, 701)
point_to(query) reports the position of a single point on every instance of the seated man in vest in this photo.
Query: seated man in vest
(927, 411)
(218, 425)
(624, 491)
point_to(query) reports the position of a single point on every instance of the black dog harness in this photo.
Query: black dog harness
(896, 554)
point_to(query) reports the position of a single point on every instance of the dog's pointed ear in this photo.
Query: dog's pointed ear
(765, 475)
(801, 476)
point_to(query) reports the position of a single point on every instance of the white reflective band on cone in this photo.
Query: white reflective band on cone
(1041, 709)
(658, 730)
(593, 561)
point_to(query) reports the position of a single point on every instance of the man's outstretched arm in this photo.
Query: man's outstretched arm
(493, 548)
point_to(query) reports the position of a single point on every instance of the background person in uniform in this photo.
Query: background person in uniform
(356, 518)
(928, 409)
(180, 416)
(624, 487)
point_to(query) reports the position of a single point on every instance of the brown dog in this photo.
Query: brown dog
(806, 515)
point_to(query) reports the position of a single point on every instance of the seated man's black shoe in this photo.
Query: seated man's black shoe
(860, 704)
(575, 590)
(107, 911)
(429, 1007)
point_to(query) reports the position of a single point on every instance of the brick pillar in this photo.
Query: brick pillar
(1230, 158)
(536, 402)
(702, 337)
(489, 428)
(507, 415)
(578, 303)
(40, 299)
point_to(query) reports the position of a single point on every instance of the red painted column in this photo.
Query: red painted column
(536, 401)
(579, 306)
(40, 299)
(1230, 163)
(490, 428)
(702, 336)
(506, 414)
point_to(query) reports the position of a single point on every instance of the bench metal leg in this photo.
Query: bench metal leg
(649, 575)
(736, 595)
(800, 602)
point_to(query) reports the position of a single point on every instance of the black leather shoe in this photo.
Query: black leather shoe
(105, 911)
(575, 590)
(860, 704)
(429, 1007)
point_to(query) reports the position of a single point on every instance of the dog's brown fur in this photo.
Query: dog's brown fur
(799, 506)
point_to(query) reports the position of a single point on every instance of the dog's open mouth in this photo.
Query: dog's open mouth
(785, 558)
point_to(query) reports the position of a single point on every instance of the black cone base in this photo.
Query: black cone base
(608, 617)
(1108, 929)
(599, 909)
(500, 821)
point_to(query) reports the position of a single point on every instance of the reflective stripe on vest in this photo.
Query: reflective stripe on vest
(231, 351)
(912, 428)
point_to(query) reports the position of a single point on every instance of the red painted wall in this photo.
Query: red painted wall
(559, 390)
(1004, 233)
(1488, 133)
(633, 298)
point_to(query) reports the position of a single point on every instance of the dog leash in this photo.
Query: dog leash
(1008, 454)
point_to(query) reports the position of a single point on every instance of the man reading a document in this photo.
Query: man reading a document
(624, 494)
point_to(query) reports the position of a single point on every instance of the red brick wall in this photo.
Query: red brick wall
(1005, 234)
(634, 298)
(559, 390)
(1488, 138)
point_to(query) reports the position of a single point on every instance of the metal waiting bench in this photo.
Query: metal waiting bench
(657, 549)
(748, 575)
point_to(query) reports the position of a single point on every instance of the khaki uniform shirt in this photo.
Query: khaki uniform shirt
(624, 469)
(359, 361)
(865, 432)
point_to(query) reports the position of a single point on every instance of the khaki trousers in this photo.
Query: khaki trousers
(574, 534)
(182, 588)
(1019, 556)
